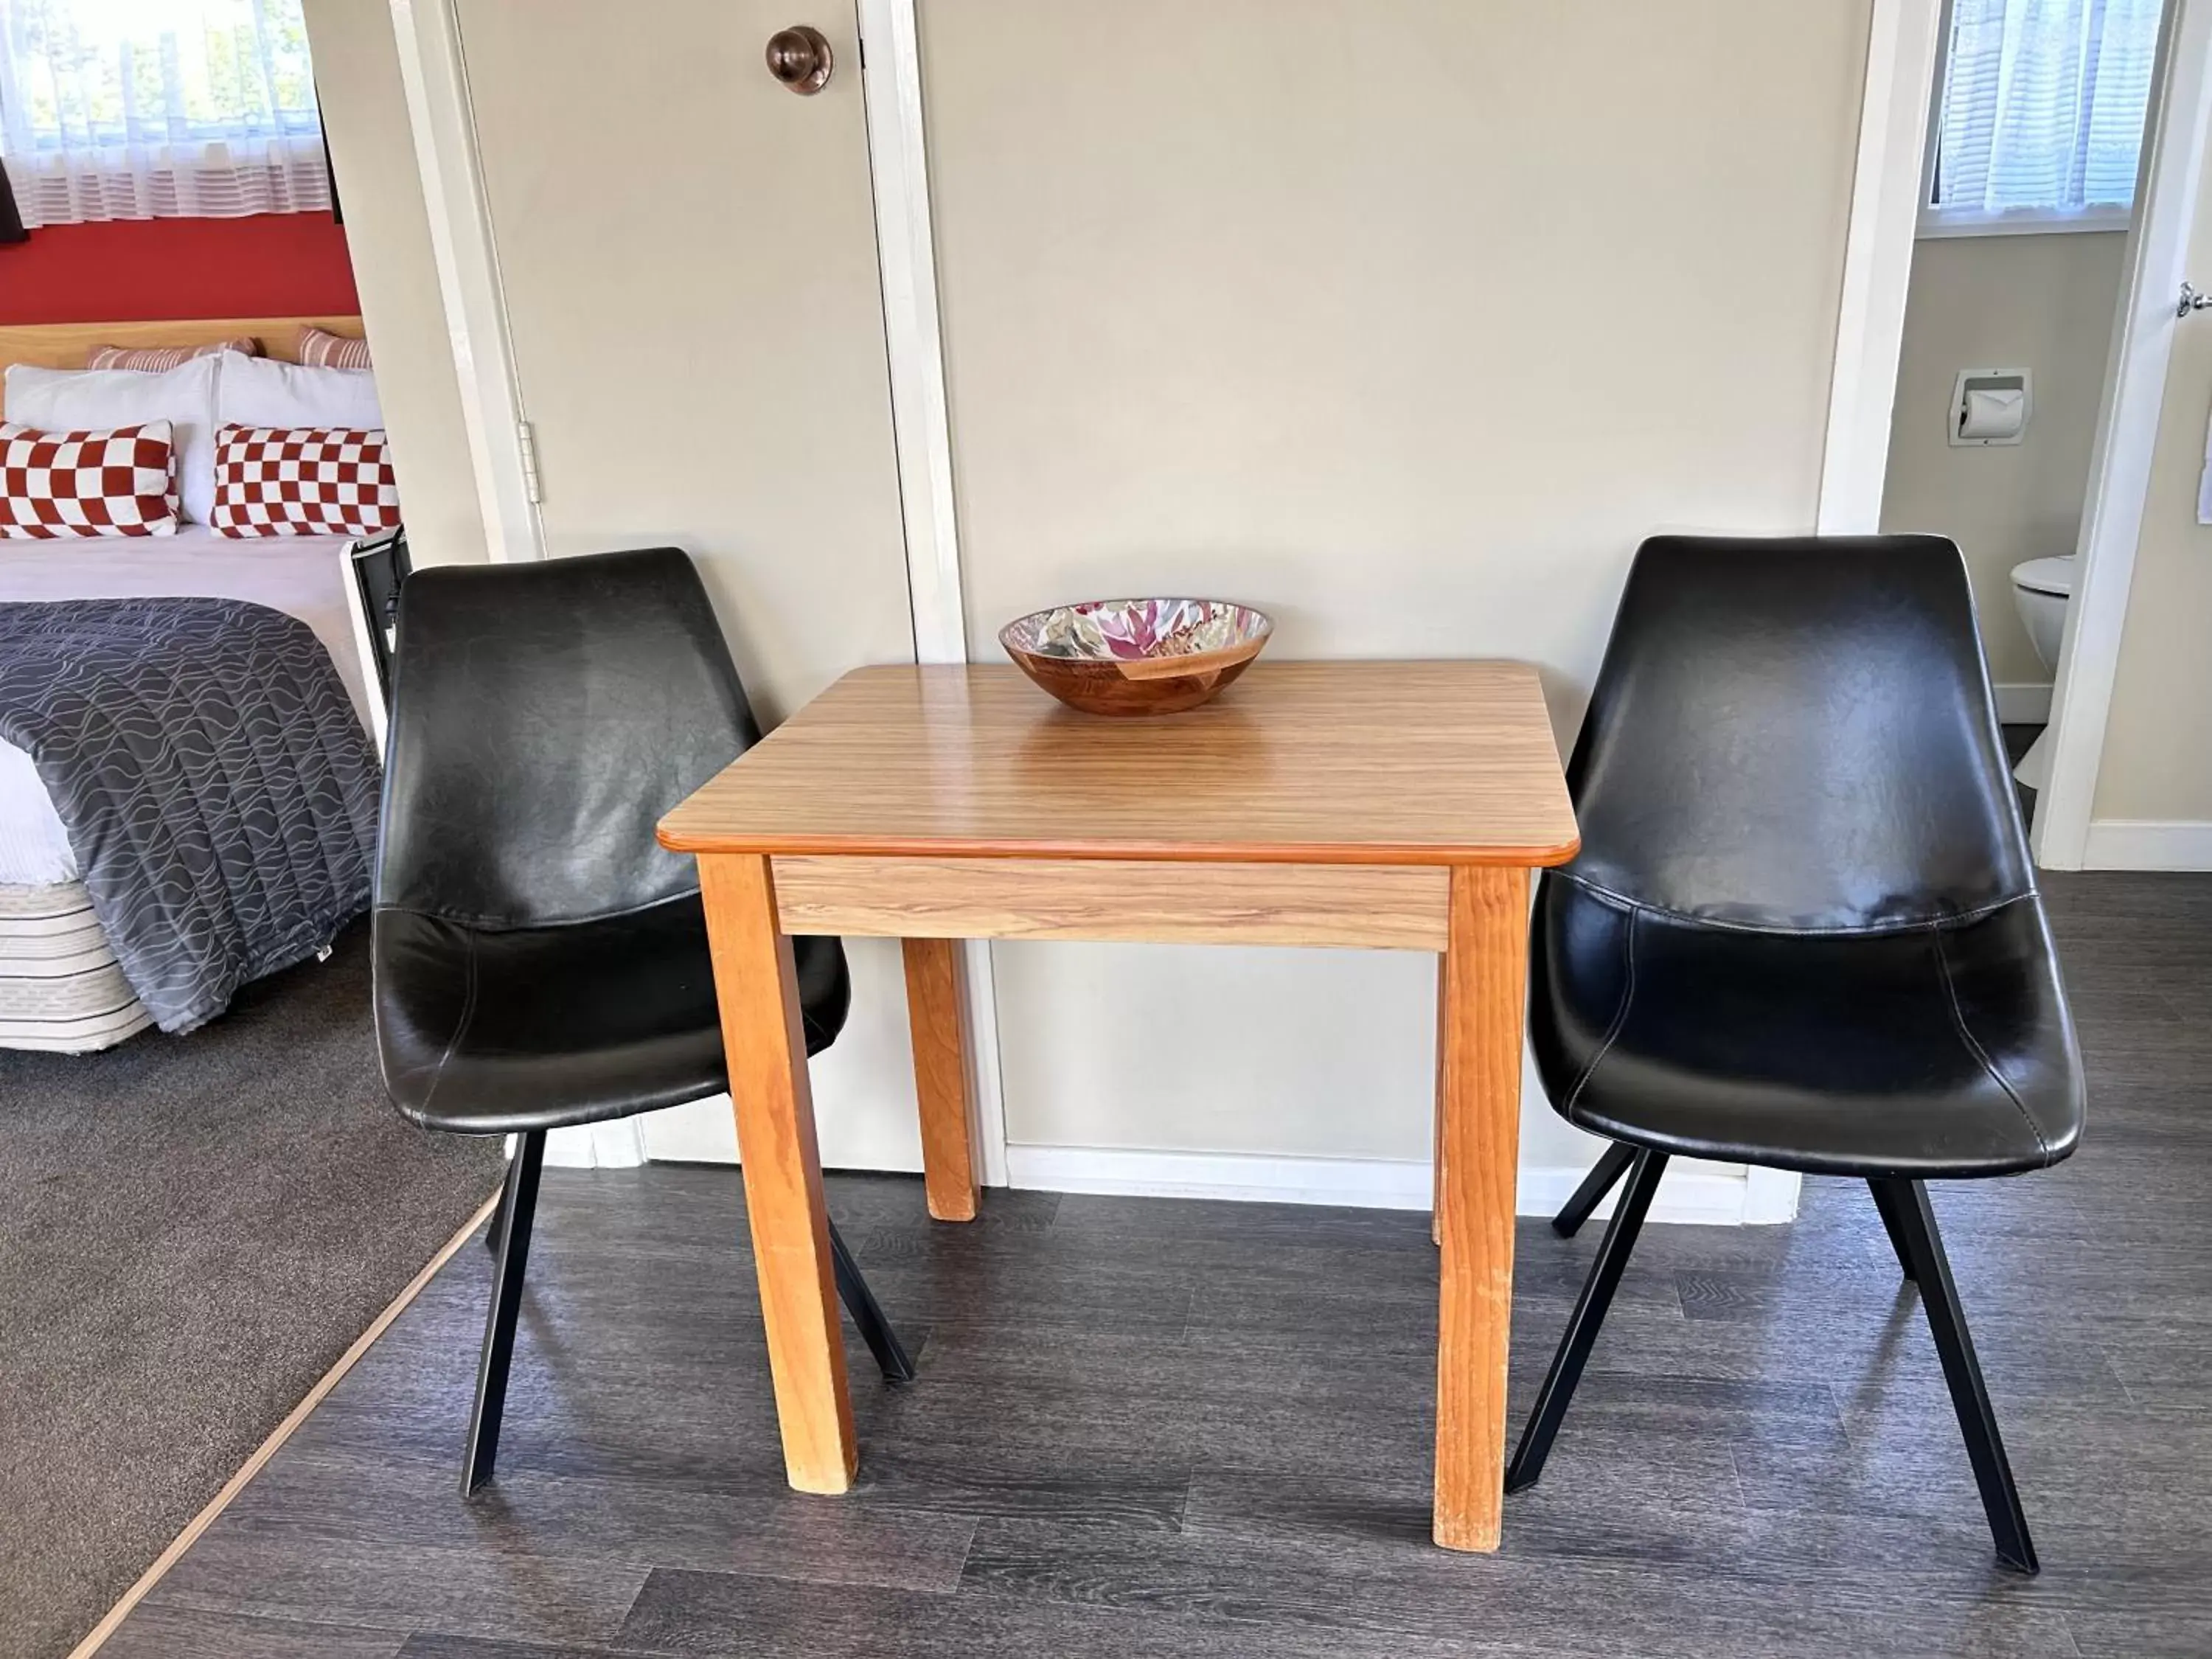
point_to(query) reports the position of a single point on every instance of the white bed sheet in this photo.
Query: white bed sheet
(304, 575)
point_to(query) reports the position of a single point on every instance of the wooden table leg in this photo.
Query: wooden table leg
(935, 1014)
(1437, 1114)
(758, 990)
(1486, 968)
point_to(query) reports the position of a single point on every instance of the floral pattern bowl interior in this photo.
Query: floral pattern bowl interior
(1137, 656)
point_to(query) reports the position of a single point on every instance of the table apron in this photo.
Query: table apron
(1373, 907)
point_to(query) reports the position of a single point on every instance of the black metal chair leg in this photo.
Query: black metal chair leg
(518, 1205)
(1887, 1207)
(1612, 1163)
(868, 1314)
(1527, 1464)
(1977, 1421)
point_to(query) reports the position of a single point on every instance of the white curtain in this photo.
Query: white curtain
(2044, 103)
(156, 109)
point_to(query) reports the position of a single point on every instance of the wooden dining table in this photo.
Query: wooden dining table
(1393, 805)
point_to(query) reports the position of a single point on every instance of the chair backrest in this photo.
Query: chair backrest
(379, 566)
(1797, 733)
(544, 717)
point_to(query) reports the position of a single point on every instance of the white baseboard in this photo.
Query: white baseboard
(2149, 844)
(1373, 1183)
(2023, 705)
(1692, 1192)
(1709, 1194)
(616, 1145)
(1769, 1196)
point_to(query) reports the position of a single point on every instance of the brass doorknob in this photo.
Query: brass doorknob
(799, 57)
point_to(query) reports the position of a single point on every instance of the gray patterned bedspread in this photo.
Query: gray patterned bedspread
(218, 787)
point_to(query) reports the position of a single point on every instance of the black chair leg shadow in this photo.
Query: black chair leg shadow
(1885, 1202)
(495, 1229)
(1921, 1246)
(510, 1238)
(1527, 1464)
(1610, 1168)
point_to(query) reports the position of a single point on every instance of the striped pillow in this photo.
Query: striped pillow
(320, 349)
(155, 360)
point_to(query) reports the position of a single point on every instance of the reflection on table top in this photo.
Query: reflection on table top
(1350, 762)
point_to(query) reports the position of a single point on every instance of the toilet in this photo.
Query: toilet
(2042, 588)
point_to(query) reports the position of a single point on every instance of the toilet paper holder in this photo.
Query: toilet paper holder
(1991, 407)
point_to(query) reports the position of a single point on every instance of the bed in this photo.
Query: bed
(62, 987)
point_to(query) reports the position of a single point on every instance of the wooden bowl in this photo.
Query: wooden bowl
(1137, 656)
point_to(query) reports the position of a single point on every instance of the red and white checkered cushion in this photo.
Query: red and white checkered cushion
(156, 360)
(302, 481)
(122, 483)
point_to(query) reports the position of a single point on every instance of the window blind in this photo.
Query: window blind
(141, 109)
(2043, 105)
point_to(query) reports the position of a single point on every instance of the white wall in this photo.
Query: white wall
(388, 239)
(1406, 321)
(2044, 303)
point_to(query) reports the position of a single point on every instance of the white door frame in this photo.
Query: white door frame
(906, 249)
(441, 120)
(1902, 38)
(1901, 75)
(434, 68)
(435, 74)
(2127, 433)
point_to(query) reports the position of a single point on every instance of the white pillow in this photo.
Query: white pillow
(101, 399)
(263, 391)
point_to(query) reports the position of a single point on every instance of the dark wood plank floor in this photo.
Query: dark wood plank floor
(1148, 1427)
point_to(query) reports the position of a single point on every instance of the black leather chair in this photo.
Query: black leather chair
(539, 960)
(1803, 930)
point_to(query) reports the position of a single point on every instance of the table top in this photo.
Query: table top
(1307, 763)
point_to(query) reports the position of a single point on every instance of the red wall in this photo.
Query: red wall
(277, 265)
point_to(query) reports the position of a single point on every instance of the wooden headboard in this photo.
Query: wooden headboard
(66, 345)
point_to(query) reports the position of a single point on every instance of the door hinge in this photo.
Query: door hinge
(527, 439)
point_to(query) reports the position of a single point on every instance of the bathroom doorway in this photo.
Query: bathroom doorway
(2062, 160)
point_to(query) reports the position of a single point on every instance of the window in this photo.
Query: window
(147, 109)
(2039, 115)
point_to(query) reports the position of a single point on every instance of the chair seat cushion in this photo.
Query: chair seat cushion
(499, 1030)
(1940, 1050)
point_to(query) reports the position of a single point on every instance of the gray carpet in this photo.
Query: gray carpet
(191, 1230)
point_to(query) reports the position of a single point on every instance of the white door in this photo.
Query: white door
(687, 251)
